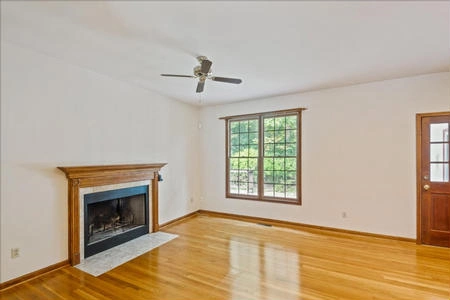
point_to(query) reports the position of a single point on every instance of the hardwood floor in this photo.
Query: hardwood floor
(215, 258)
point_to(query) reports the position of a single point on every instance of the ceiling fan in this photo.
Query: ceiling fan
(203, 72)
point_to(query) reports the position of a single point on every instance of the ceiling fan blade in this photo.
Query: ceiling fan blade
(174, 75)
(200, 86)
(226, 79)
(206, 66)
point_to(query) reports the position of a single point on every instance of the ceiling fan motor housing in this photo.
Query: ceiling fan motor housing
(199, 73)
(198, 69)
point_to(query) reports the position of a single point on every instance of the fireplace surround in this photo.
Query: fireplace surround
(81, 178)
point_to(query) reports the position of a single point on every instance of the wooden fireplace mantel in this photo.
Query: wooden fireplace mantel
(90, 176)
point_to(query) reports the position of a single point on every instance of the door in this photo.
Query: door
(433, 184)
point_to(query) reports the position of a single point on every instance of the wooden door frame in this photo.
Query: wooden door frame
(419, 118)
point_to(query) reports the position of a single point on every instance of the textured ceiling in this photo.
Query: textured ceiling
(275, 47)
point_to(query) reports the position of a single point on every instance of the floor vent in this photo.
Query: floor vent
(263, 224)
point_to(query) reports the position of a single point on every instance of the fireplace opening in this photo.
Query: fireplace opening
(114, 217)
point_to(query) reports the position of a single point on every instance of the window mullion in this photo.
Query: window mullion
(261, 159)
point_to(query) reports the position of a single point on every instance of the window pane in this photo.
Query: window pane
(252, 177)
(253, 164)
(439, 152)
(269, 136)
(291, 191)
(243, 175)
(234, 127)
(243, 151)
(269, 149)
(439, 172)
(253, 126)
(291, 122)
(280, 123)
(279, 190)
(243, 188)
(243, 139)
(278, 177)
(268, 190)
(280, 149)
(234, 175)
(268, 176)
(268, 163)
(291, 149)
(439, 132)
(234, 163)
(234, 141)
(253, 138)
(243, 126)
(278, 164)
(291, 164)
(253, 183)
(291, 177)
(234, 151)
(291, 136)
(243, 163)
(234, 187)
(253, 151)
(269, 124)
(280, 136)
(252, 188)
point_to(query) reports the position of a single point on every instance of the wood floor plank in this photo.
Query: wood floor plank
(216, 258)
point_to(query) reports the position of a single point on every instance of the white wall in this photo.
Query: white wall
(55, 114)
(358, 155)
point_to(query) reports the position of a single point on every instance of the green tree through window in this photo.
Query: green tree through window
(263, 156)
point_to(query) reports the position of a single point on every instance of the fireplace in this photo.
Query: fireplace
(114, 217)
(84, 180)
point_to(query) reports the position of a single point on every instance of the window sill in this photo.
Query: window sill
(265, 199)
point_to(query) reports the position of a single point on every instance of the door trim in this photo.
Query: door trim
(419, 118)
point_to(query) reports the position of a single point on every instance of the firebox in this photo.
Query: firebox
(114, 217)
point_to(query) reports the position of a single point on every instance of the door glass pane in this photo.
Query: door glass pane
(439, 172)
(446, 152)
(439, 132)
(439, 152)
(446, 173)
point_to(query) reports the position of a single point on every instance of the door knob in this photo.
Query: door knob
(426, 187)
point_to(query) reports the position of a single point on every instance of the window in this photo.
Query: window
(439, 152)
(263, 156)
